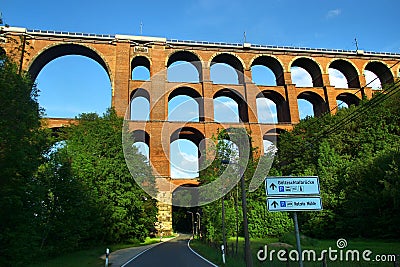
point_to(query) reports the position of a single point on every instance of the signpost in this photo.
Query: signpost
(294, 204)
(290, 193)
(282, 186)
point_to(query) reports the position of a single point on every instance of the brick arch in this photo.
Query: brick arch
(51, 52)
(282, 107)
(232, 60)
(238, 98)
(141, 60)
(141, 136)
(271, 62)
(348, 98)
(188, 56)
(319, 105)
(311, 66)
(348, 69)
(271, 135)
(380, 69)
(194, 94)
(188, 133)
(194, 135)
(140, 92)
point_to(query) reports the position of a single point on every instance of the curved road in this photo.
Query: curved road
(174, 253)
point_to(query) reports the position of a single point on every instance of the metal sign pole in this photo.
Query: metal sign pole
(297, 232)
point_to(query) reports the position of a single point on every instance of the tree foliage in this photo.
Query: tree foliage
(21, 146)
(65, 193)
(356, 155)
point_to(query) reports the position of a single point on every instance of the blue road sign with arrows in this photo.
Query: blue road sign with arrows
(290, 185)
(294, 203)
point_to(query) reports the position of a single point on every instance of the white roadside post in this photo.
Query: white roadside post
(289, 193)
(223, 253)
(107, 254)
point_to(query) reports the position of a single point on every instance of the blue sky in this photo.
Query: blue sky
(310, 23)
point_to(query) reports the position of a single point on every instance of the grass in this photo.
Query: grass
(378, 247)
(90, 257)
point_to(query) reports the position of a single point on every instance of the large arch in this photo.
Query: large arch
(311, 67)
(238, 98)
(318, 103)
(188, 56)
(273, 64)
(348, 70)
(231, 60)
(140, 61)
(381, 70)
(64, 49)
(282, 107)
(187, 91)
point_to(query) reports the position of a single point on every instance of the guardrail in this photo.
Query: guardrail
(220, 44)
(71, 34)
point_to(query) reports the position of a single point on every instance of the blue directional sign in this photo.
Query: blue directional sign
(294, 203)
(290, 185)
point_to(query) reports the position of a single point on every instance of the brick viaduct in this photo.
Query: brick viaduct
(120, 54)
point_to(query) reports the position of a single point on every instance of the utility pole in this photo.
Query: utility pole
(192, 222)
(247, 251)
(223, 224)
(356, 43)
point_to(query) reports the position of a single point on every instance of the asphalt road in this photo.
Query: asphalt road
(174, 253)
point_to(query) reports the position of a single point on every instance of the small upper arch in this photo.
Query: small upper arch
(311, 66)
(381, 70)
(232, 60)
(348, 69)
(141, 62)
(271, 62)
(187, 56)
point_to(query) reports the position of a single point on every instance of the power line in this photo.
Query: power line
(392, 90)
(330, 111)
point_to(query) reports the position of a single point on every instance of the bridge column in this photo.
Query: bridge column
(206, 73)
(207, 87)
(366, 91)
(251, 91)
(330, 99)
(287, 77)
(326, 82)
(159, 158)
(120, 91)
(291, 99)
(158, 97)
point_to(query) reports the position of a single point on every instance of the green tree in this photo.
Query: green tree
(21, 146)
(97, 159)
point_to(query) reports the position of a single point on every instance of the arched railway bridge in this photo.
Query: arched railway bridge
(119, 55)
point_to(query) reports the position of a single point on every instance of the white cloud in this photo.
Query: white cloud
(301, 77)
(333, 13)
(225, 110)
(372, 80)
(337, 78)
(184, 161)
(266, 111)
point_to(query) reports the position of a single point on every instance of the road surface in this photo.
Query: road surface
(174, 253)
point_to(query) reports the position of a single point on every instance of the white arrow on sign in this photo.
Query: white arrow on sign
(288, 185)
(294, 203)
